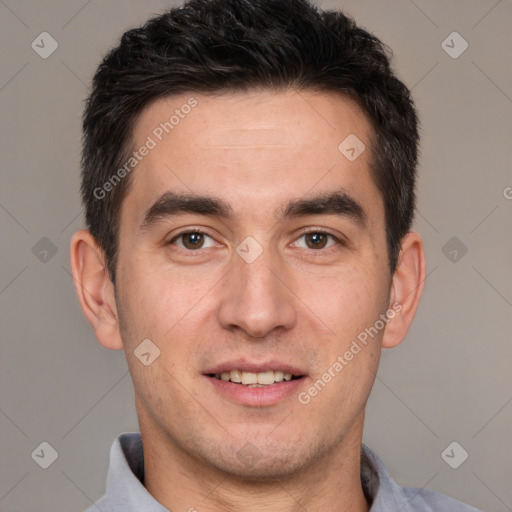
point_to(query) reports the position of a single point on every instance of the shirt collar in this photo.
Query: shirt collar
(125, 476)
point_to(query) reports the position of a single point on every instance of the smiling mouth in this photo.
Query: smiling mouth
(255, 380)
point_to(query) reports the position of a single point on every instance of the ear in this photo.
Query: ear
(95, 289)
(406, 289)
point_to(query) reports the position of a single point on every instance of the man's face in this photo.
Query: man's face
(291, 298)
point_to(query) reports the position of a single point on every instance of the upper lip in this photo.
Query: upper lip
(253, 367)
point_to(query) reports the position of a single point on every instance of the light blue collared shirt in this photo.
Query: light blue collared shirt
(126, 493)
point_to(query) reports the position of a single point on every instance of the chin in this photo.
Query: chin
(265, 469)
(262, 461)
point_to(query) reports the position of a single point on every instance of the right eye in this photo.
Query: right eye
(193, 240)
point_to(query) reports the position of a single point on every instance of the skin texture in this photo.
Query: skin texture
(299, 305)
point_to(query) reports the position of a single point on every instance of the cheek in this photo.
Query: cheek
(366, 300)
(346, 301)
(157, 300)
(166, 311)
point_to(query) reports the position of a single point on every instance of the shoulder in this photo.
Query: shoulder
(387, 495)
(424, 500)
(101, 505)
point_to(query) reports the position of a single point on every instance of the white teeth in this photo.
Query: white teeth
(278, 376)
(235, 376)
(251, 379)
(265, 377)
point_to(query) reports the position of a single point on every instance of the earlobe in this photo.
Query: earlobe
(95, 289)
(406, 289)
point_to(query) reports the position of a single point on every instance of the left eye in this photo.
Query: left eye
(316, 240)
(193, 240)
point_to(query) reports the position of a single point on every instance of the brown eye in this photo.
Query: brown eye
(316, 240)
(193, 240)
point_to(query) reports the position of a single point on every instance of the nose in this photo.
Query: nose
(256, 298)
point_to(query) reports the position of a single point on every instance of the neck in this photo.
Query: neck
(180, 481)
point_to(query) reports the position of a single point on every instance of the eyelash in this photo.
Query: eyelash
(188, 232)
(339, 242)
(309, 231)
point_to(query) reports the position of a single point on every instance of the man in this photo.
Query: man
(248, 180)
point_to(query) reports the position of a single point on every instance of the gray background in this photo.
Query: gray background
(449, 381)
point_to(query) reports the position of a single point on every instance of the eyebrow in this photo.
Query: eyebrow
(330, 203)
(172, 204)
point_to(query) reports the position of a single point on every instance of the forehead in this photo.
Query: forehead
(252, 148)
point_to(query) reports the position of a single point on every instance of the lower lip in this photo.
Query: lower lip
(257, 396)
